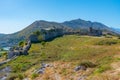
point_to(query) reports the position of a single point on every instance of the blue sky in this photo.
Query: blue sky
(18, 14)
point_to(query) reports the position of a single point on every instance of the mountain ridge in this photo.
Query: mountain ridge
(67, 26)
(78, 23)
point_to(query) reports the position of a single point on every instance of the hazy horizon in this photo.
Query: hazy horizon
(18, 14)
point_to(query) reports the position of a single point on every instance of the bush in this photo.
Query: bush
(4, 53)
(87, 64)
(40, 38)
(17, 68)
(43, 43)
(13, 76)
(102, 69)
(107, 42)
(34, 75)
(21, 43)
(118, 37)
(37, 33)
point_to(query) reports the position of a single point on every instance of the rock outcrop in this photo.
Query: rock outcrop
(80, 68)
(19, 50)
(41, 70)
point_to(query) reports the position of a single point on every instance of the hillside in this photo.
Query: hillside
(64, 54)
(1, 35)
(117, 30)
(12, 39)
(67, 26)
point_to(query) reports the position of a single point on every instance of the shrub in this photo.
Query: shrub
(14, 76)
(37, 33)
(118, 37)
(87, 64)
(34, 75)
(21, 43)
(107, 42)
(17, 68)
(40, 38)
(102, 69)
(43, 43)
(4, 53)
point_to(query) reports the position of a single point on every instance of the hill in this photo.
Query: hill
(1, 35)
(12, 39)
(77, 25)
(64, 54)
(117, 30)
(85, 25)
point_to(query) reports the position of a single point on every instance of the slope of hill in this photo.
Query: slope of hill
(12, 39)
(78, 24)
(117, 30)
(1, 35)
(64, 54)
(38, 25)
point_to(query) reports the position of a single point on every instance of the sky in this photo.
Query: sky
(15, 15)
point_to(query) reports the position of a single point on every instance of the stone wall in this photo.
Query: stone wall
(50, 34)
(47, 34)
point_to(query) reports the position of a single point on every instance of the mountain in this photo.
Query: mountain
(14, 38)
(82, 24)
(1, 35)
(117, 30)
(66, 26)
(79, 23)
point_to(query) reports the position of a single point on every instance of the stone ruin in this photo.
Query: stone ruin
(19, 50)
(47, 34)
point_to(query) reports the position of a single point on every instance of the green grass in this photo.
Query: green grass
(34, 75)
(102, 69)
(70, 48)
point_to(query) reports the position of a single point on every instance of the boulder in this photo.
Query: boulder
(80, 68)
(41, 71)
(10, 54)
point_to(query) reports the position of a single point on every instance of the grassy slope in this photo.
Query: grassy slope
(69, 50)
